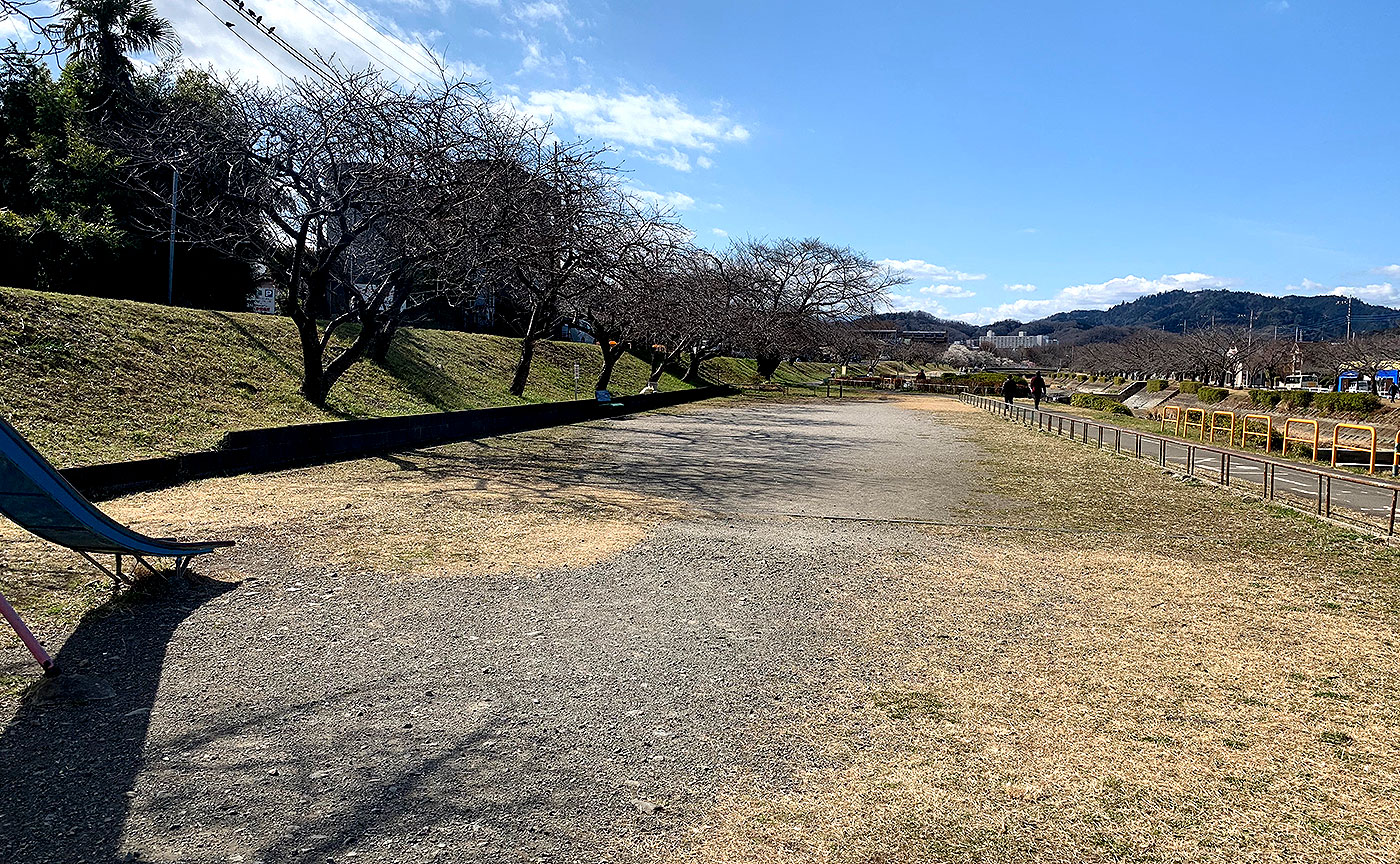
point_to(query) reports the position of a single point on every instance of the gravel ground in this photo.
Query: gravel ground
(561, 713)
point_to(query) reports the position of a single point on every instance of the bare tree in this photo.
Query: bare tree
(618, 305)
(348, 192)
(1365, 355)
(42, 36)
(789, 287)
(562, 227)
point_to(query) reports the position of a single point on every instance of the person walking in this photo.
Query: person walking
(1008, 389)
(1037, 389)
(1394, 390)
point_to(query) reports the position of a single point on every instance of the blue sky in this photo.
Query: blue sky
(1015, 158)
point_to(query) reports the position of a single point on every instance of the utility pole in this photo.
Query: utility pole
(174, 191)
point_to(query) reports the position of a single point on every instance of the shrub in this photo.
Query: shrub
(1188, 386)
(1211, 395)
(1347, 403)
(1099, 403)
(1265, 398)
(1156, 385)
(1120, 381)
(1298, 398)
(1301, 450)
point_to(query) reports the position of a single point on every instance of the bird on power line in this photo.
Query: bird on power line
(228, 24)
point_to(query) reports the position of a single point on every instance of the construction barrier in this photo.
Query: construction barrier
(1354, 448)
(1289, 437)
(1199, 424)
(1173, 412)
(1267, 434)
(1228, 430)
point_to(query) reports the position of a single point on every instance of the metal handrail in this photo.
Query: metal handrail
(1056, 423)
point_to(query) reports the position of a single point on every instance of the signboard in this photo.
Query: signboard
(263, 299)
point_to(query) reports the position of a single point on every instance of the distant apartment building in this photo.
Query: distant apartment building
(1020, 340)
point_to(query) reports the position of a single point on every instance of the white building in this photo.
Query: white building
(1020, 340)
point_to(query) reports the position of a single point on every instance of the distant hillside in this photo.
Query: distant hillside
(1317, 317)
(924, 321)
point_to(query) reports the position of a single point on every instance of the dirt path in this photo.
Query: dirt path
(591, 692)
(644, 641)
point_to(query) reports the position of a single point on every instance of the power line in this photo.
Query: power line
(323, 72)
(390, 40)
(380, 58)
(229, 25)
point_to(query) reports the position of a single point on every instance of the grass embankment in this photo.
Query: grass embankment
(1134, 670)
(743, 372)
(90, 380)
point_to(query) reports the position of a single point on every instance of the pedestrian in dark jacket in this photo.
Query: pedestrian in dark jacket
(1037, 389)
(1008, 389)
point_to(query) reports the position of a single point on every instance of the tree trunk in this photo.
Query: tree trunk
(522, 368)
(611, 355)
(383, 340)
(313, 380)
(692, 369)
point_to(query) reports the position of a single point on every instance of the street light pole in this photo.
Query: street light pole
(174, 192)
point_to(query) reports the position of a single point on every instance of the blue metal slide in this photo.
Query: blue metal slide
(35, 497)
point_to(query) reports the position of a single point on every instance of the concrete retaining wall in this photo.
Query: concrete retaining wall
(253, 450)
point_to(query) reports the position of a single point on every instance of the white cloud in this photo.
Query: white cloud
(1019, 287)
(541, 12)
(1391, 270)
(651, 120)
(1382, 293)
(947, 290)
(703, 161)
(1276, 5)
(911, 302)
(1096, 295)
(671, 159)
(920, 270)
(676, 201)
(719, 232)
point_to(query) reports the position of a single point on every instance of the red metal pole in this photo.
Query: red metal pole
(26, 637)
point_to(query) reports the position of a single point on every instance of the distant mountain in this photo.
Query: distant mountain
(957, 330)
(1318, 318)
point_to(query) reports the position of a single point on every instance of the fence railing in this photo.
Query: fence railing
(1357, 500)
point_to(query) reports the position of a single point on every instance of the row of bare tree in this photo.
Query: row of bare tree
(363, 202)
(1226, 355)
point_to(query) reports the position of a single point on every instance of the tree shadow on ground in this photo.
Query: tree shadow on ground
(69, 763)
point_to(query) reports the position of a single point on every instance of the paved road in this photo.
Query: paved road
(1344, 496)
(557, 714)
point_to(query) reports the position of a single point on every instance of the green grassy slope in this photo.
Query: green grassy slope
(91, 380)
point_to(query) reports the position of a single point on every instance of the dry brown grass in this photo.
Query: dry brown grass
(472, 509)
(1104, 696)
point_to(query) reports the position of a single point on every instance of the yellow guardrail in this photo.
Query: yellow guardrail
(1289, 437)
(1228, 430)
(1199, 424)
(1267, 434)
(1174, 412)
(1353, 448)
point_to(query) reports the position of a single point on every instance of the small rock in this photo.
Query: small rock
(646, 808)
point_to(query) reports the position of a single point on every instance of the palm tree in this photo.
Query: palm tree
(102, 33)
